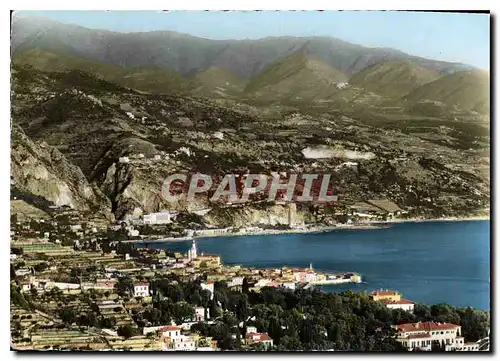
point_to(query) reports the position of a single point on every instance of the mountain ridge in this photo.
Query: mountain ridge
(185, 53)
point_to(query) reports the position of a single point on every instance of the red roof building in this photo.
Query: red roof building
(422, 335)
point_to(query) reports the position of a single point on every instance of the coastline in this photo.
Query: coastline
(368, 225)
(371, 225)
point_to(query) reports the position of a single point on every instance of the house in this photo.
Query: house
(422, 335)
(402, 304)
(289, 285)
(393, 300)
(264, 338)
(180, 343)
(385, 295)
(141, 289)
(209, 286)
(172, 332)
(199, 313)
(251, 329)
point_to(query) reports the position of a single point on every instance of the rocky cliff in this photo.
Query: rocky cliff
(41, 170)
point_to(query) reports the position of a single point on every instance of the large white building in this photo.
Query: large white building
(157, 218)
(421, 335)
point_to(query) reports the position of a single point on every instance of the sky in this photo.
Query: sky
(457, 37)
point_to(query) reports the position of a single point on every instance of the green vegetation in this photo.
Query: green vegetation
(296, 77)
(393, 78)
(466, 90)
(301, 320)
(158, 80)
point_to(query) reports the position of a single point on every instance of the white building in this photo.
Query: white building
(289, 285)
(392, 300)
(402, 304)
(193, 252)
(141, 289)
(209, 286)
(172, 332)
(199, 314)
(421, 335)
(123, 160)
(251, 329)
(157, 218)
(470, 346)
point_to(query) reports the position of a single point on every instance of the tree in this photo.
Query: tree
(126, 331)
(124, 286)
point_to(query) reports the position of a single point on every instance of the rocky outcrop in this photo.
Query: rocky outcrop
(41, 170)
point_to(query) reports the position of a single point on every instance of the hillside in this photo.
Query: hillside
(217, 81)
(88, 124)
(465, 90)
(160, 80)
(41, 171)
(393, 78)
(296, 77)
(187, 54)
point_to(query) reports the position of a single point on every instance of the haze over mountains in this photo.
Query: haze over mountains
(274, 68)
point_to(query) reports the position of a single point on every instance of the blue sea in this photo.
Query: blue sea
(428, 262)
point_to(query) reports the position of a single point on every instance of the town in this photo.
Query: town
(75, 288)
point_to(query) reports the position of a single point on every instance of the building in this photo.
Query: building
(422, 335)
(181, 343)
(385, 295)
(199, 313)
(141, 289)
(157, 218)
(393, 300)
(207, 260)
(193, 252)
(263, 338)
(470, 346)
(172, 332)
(209, 286)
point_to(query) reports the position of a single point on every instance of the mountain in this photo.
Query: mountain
(217, 81)
(393, 78)
(41, 171)
(161, 80)
(296, 77)
(464, 90)
(188, 54)
(77, 129)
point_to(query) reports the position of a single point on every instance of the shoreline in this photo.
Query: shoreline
(369, 225)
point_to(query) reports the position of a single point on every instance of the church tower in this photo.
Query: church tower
(193, 252)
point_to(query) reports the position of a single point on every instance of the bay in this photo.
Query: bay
(429, 262)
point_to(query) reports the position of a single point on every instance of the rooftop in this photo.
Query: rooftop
(400, 302)
(426, 326)
(384, 293)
